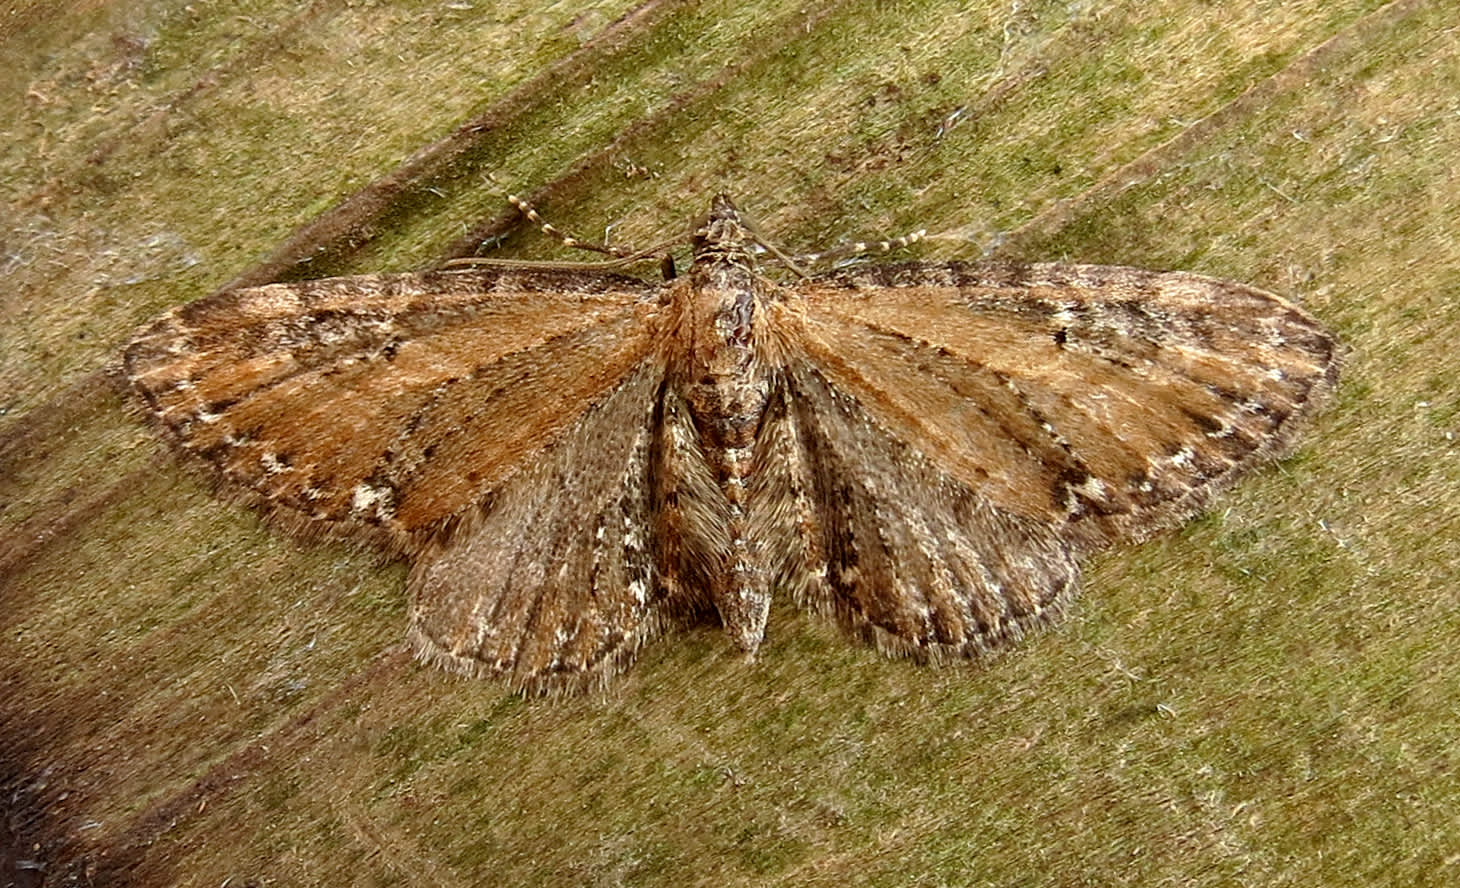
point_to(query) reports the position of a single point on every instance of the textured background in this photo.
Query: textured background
(1268, 696)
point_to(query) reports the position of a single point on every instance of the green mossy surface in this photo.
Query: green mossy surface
(1267, 696)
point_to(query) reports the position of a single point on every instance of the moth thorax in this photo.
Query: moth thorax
(723, 383)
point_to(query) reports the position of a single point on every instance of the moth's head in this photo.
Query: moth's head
(722, 207)
(722, 231)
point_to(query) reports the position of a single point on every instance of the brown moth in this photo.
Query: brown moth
(574, 459)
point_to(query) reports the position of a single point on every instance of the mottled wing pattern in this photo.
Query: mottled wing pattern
(691, 514)
(1107, 402)
(934, 444)
(551, 583)
(389, 404)
(947, 437)
(864, 526)
(494, 425)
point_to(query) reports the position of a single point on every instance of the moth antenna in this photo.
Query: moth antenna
(863, 248)
(621, 255)
(565, 238)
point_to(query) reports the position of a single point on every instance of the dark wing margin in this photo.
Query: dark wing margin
(1111, 402)
(551, 584)
(385, 407)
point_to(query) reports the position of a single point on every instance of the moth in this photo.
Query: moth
(575, 459)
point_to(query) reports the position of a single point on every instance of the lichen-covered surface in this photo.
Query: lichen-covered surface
(1268, 696)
